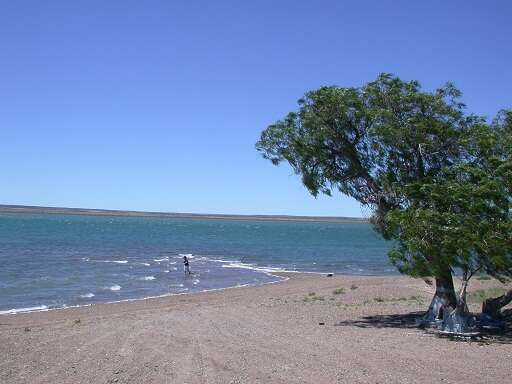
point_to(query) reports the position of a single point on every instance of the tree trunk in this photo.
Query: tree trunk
(492, 307)
(444, 298)
(459, 320)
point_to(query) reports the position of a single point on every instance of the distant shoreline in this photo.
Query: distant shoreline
(5, 208)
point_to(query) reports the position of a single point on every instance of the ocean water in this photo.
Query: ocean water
(52, 261)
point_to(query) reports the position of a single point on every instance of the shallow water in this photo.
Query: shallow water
(49, 260)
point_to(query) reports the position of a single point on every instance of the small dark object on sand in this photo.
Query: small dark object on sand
(321, 323)
(330, 274)
(27, 329)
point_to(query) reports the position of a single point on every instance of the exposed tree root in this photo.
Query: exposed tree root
(492, 307)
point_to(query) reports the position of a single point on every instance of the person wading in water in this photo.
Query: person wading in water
(186, 267)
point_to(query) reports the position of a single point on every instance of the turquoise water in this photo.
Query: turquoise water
(50, 261)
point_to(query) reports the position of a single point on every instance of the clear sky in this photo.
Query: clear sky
(156, 105)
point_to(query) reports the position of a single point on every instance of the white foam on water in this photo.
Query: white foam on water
(147, 278)
(188, 255)
(182, 291)
(196, 281)
(172, 262)
(146, 264)
(174, 269)
(166, 271)
(176, 285)
(114, 287)
(254, 268)
(225, 261)
(87, 295)
(111, 261)
(160, 260)
(24, 310)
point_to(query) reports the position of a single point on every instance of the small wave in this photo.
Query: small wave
(114, 287)
(111, 261)
(196, 281)
(87, 295)
(166, 271)
(176, 285)
(160, 260)
(27, 309)
(355, 269)
(253, 267)
(188, 255)
(224, 261)
(145, 264)
(147, 278)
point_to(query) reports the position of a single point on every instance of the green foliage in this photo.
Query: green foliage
(438, 181)
(463, 215)
(363, 141)
(380, 299)
(311, 297)
(338, 291)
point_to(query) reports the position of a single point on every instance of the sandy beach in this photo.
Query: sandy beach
(308, 329)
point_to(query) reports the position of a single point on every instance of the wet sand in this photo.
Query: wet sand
(304, 330)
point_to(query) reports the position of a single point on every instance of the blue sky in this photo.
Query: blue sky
(156, 105)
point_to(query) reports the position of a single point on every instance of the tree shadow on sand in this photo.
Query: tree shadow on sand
(409, 321)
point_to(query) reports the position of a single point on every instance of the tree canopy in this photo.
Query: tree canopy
(366, 141)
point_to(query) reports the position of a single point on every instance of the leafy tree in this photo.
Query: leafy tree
(496, 160)
(464, 216)
(398, 150)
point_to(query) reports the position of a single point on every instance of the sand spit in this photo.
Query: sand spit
(175, 215)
